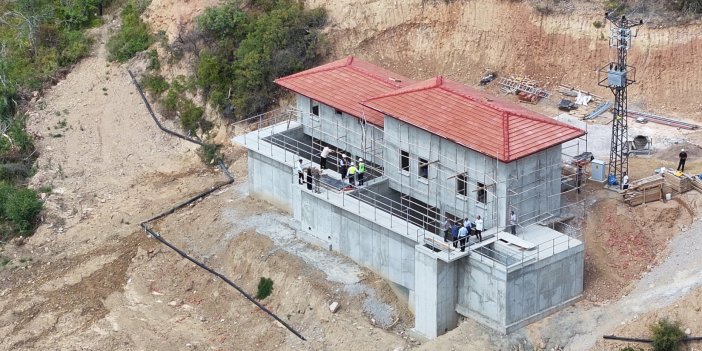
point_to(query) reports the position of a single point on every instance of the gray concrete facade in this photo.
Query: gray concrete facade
(344, 131)
(529, 186)
(503, 294)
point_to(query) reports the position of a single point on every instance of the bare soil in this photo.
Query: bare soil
(91, 279)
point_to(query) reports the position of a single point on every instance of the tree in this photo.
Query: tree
(26, 18)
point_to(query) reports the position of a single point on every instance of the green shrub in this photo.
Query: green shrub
(190, 115)
(132, 37)
(629, 348)
(251, 49)
(598, 24)
(265, 288)
(209, 153)
(154, 63)
(154, 84)
(4, 261)
(667, 336)
(22, 208)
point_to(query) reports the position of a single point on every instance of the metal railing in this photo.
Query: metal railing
(270, 130)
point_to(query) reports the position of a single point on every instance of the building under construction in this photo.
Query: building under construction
(434, 150)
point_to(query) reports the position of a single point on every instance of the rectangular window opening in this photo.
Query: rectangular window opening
(482, 193)
(423, 168)
(404, 160)
(314, 107)
(462, 184)
(337, 112)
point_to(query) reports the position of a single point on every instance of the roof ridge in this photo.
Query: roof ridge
(366, 73)
(329, 67)
(438, 80)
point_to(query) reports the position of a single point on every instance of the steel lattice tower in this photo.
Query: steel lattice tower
(617, 77)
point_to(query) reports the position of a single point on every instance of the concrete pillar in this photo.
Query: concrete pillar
(435, 284)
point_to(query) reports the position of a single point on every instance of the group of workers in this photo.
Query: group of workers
(349, 170)
(458, 234)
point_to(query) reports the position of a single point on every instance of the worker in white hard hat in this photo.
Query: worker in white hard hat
(683, 158)
(361, 171)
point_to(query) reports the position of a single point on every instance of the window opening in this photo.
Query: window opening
(404, 160)
(462, 184)
(482, 194)
(314, 107)
(423, 168)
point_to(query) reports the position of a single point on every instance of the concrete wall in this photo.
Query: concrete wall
(271, 180)
(506, 298)
(527, 192)
(384, 251)
(440, 190)
(546, 285)
(435, 294)
(482, 293)
(534, 185)
(344, 131)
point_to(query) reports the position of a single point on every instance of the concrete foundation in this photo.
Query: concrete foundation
(496, 283)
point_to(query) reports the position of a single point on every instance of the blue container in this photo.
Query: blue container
(612, 180)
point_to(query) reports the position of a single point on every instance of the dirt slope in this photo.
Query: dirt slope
(461, 39)
(89, 279)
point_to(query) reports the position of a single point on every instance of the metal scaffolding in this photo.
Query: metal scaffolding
(419, 218)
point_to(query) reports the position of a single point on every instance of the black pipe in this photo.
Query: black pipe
(187, 202)
(158, 236)
(622, 338)
(153, 115)
(221, 276)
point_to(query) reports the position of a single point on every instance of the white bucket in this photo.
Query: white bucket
(668, 196)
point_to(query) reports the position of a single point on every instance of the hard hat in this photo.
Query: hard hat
(682, 150)
(360, 159)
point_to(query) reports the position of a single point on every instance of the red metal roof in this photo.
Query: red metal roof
(476, 120)
(343, 84)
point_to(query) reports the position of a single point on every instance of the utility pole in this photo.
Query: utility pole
(617, 76)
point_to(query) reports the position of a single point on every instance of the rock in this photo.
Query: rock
(334, 307)
(688, 331)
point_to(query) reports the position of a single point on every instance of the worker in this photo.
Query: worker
(361, 171)
(351, 175)
(316, 173)
(578, 177)
(300, 174)
(308, 170)
(462, 235)
(323, 157)
(446, 227)
(625, 181)
(454, 233)
(683, 158)
(342, 166)
(479, 228)
(513, 222)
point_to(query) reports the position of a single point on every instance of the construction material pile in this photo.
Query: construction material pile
(678, 183)
(644, 190)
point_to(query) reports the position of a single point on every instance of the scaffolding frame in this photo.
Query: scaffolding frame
(428, 224)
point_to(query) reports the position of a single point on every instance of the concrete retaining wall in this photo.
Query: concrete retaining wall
(382, 250)
(271, 180)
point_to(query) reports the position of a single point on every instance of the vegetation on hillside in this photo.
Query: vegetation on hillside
(39, 39)
(133, 35)
(241, 48)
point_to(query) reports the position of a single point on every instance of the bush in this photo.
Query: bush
(154, 63)
(190, 115)
(667, 336)
(265, 288)
(598, 24)
(629, 348)
(209, 153)
(251, 49)
(155, 84)
(19, 206)
(131, 38)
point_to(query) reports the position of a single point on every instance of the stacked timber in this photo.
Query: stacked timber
(697, 184)
(679, 184)
(644, 190)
